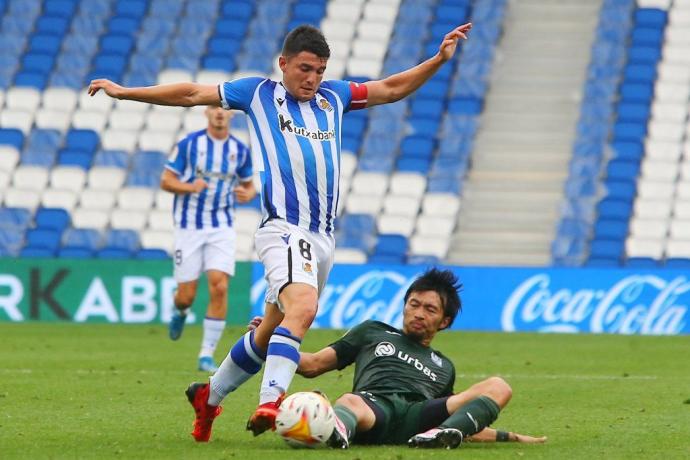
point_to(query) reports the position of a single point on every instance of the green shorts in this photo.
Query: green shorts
(398, 419)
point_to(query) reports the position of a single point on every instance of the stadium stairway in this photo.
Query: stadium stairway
(514, 187)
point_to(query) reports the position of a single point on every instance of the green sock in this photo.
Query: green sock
(474, 416)
(348, 418)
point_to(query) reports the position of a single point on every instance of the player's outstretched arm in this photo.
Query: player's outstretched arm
(490, 435)
(177, 94)
(314, 364)
(402, 84)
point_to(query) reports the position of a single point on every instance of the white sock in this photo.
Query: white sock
(213, 329)
(281, 364)
(243, 361)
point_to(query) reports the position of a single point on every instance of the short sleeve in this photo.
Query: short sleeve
(177, 162)
(238, 94)
(349, 345)
(352, 94)
(244, 169)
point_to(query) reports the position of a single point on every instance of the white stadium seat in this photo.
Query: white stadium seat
(652, 209)
(366, 67)
(103, 200)
(22, 98)
(127, 219)
(59, 198)
(363, 204)
(131, 106)
(349, 256)
(679, 17)
(247, 220)
(161, 141)
(680, 230)
(194, 121)
(164, 200)
(89, 119)
(678, 248)
(440, 204)
(422, 245)
(157, 239)
(375, 30)
(4, 179)
(106, 178)
(212, 77)
(244, 247)
(22, 198)
(174, 76)
(160, 220)
(662, 150)
(440, 227)
(161, 121)
(53, 119)
(339, 49)
(670, 72)
(119, 139)
(369, 49)
(9, 157)
(343, 11)
(30, 177)
(685, 171)
(671, 92)
(348, 164)
(369, 183)
(20, 119)
(68, 177)
(683, 190)
(101, 102)
(649, 228)
(396, 205)
(659, 170)
(60, 98)
(126, 119)
(666, 131)
(407, 184)
(135, 198)
(681, 210)
(90, 218)
(675, 112)
(338, 29)
(644, 247)
(395, 224)
(655, 189)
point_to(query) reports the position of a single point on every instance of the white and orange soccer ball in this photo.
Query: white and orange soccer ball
(305, 419)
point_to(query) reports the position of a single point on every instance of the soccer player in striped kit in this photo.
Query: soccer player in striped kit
(208, 171)
(295, 132)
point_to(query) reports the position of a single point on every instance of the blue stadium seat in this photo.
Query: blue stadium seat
(391, 245)
(641, 262)
(67, 157)
(386, 259)
(114, 253)
(627, 150)
(224, 47)
(612, 208)
(621, 189)
(237, 10)
(43, 238)
(38, 157)
(83, 45)
(131, 8)
(12, 136)
(357, 224)
(52, 25)
(152, 254)
(109, 64)
(123, 25)
(73, 61)
(122, 239)
(650, 17)
(34, 79)
(15, 219)
(149, 161)
(610, 229)
(637, 92)
(115, 158)
(143, 179)
(85, 140)
(44, 139)
(445, 185)
(465, 105)
(417, 165)
(56, 219)
(420, 259)
(677, 263)
(11, 241)
(33, 252)
(45, 43)
(644, 55)
(38, 62)
(82, 238)
(218, 62)
(626, 131)
(429, 108)
(75, 253)
(116, 44)
(426, 127)
(606, 248)
(60, 8)
(417, 147)
(602, 262)
(633, 112)
(622, 169)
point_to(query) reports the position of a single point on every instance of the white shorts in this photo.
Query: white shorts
(291, 254)
(198, 251)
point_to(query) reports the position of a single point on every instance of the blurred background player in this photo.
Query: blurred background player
(207, 169)
(295, 124)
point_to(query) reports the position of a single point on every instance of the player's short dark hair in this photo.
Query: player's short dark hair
(445, 284)
(306, 38)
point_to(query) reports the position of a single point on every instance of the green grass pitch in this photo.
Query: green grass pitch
(97, 391)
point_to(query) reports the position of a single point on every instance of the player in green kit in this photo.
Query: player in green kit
(403, 389)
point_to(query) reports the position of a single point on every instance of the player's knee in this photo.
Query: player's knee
(500, 390)
(218, 288)
(184, 299)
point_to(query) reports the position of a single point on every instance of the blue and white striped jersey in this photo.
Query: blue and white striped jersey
(221, 164)
(299, 144)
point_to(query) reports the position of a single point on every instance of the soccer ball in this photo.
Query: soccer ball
(305, 419)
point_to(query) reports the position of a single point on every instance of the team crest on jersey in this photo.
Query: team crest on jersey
(384, 349)
(436, 359)
(325, 105)
(306, 266)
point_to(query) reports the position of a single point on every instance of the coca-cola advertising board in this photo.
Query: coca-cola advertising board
(616, 301)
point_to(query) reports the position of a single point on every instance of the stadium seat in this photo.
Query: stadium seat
(30, 177)
(152, 254)
(32, 252)
(127, 219)
(135, 198)
(43, 238)
(52, 218)
(90, 218)
(157, 239)
(88, 238)
(114, 253)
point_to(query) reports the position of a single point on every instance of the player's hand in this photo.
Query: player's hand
(254, 323)
(198, 185)
(450, 41)
(530, 439)
(244, 194)
(110, 88)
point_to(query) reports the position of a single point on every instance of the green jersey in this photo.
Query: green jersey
(388, 362)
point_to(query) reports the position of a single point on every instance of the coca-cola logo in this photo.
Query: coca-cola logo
(636, 304)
